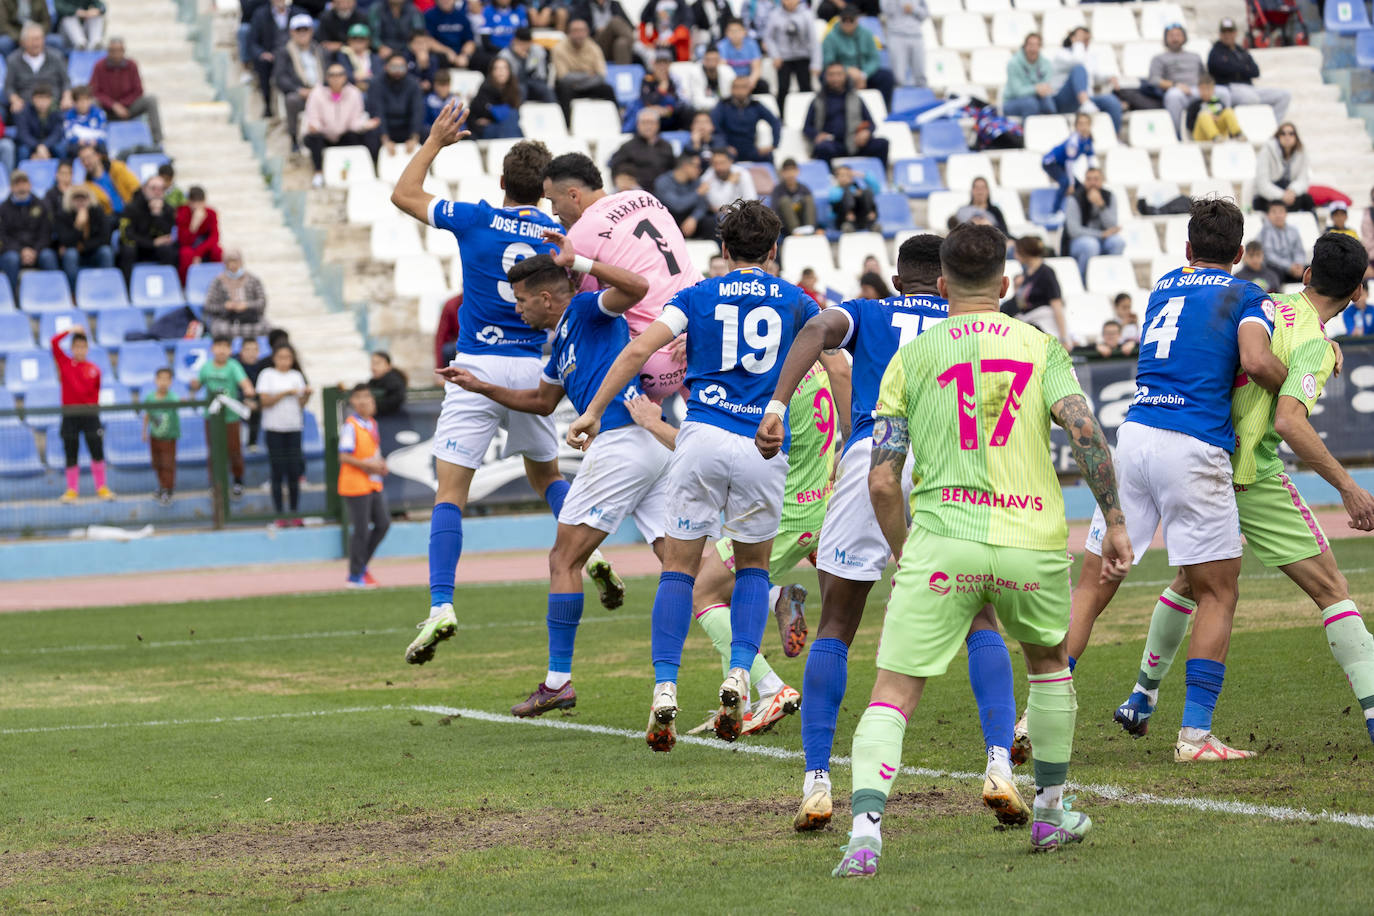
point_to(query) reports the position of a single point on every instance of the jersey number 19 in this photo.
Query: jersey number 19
(762, 332)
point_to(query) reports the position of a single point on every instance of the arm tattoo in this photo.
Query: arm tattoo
(1091, 452)
(890, 442)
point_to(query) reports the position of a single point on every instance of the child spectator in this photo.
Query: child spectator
(437, 98)
(80, 387)
(388, 385)
(1112, 343)
(1338, 218)
(161, 430)
(1059, 162)
(197, 232)
(853, 200)
(808, 283)
(171, 192)
(84, 123)
(741, 53)
(1208, 117)
(39, 128)
(282, 394)
(793, 201)
(247, 357)
(1125, 314)
(222, 376)
(1253, 268)
(361, 468)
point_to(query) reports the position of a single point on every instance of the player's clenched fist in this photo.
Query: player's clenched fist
(1117, 554)
(583, 431)
(768, 439)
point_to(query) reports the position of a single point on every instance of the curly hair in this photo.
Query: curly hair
(523, 171)
(748, 230)
(577, 167)
(1215, 229)
(973, 257)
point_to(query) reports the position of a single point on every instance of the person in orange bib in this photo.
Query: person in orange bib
(361, 469)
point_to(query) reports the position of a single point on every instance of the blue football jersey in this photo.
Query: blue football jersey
(490, 240)
(877, 327)
(739, 328)
(1189, 353)
(585, 342)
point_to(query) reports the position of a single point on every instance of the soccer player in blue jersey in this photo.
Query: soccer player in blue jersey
(493, 344)
(1173, 454)
(622, 475)
(738, 328)
(853, 553)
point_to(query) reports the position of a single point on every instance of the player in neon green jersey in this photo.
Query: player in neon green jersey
(1275, 520)
(972, 400)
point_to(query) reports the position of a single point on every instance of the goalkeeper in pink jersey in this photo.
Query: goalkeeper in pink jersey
(634, 231)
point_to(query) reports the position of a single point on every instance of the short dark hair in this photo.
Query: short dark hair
(1120, 296)
(195, 192)
(539, 271)
(1215, 228)
(523, 171)
(577, 167)
(973, 256)
(1111, 322)
(226, 339)
(42, 89)
(1254, 247)
(1030, 246)
(166, 171)
(359, 389)
(163, 371)
(524, 34)
(687, 159)
(276, 336)
(81, 92)
(383, 354)
(918, 260)
(1338, 265)
(789, 163)
(748, 230)
(80, 336)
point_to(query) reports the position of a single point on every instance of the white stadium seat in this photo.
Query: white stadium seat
(1066, 272)
(1044, 132)
(1109, 274)
(900, 143)
(593, 118)
(1257, 122)
(477, 188)
(1234, 161)
(368, 202)
(418, 274)
(1155, 16)
(962, 168)
(456, 162)
(542, 120)
(939, 9)
(795, 107)
(391, 165)
(1114, 23)
(944, 68)
(987, 7)
(1142, 240)
(1176, 237)
(1157, 193)
(873, 101)
(1009, 202)
(793, 144)
(1136, 57)
(1056, 23)
(1183, 163)
(465, 83)
(1036, 4)
(1151, 130)
(430, 308)
(1104, 133)
(1020, 170)
(558, 145)
(441, 243)
(346, 165)
(855, 246)
(963, 32)
(1213, 187)
(393, 238)
(455, 275)
(941, 205)
(701, 251)
(1306, 224)
(1009, 27)
(1160, 266)
(1084, 313)
(801, 251)
(989, 66)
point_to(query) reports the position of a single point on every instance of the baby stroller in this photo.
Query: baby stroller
(1274, 24)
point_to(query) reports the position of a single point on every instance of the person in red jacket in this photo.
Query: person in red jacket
(80, 386)
(446, 334)
(197, 232)
(118, 89)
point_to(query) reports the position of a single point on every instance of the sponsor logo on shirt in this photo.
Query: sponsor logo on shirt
(717, 396)
(491, 335)
(995, 500)
(1144, 398)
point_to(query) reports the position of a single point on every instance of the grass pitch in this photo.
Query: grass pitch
(269, 754)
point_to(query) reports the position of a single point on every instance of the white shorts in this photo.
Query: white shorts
(468, 421)
(1166, 476)
(623, 474)
(852, 543)
(715, 472)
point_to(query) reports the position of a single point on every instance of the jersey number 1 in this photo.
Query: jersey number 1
(961, 374)
(646, 229)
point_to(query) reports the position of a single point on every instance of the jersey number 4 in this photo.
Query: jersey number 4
(762, 333)
(1164, 328)
(961, 374)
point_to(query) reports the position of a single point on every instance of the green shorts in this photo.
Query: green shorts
(944, 582)
(1276, 522)
(790, 547)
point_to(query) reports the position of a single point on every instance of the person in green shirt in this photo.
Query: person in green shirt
(221, 376)
(161, 430)
(854, 46)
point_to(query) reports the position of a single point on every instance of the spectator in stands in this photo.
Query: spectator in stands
(855, 47)
(437, 98)
(1233, 67)
(623, 179)
(221, 376)
(1338, 214)
(80, 379)
(725, 183)
(737, 118)
(1038, 299)
(495, 109)
(1090, 222)
(84, 124)
(7, 148)
(609, 27)
(82, 23)
(170, 192)
(1359, 318)
(392, 23)
(398, 103)
(282, 393)
(680, 191)
(660, 92)
(808, 283)
(40, 128)
(980, 205)
(903, 23)
(1283, 247)
(450, 32)
(361, 468)
(1175, 72)
(1028, 90)
(269, 29)
(446, 334)
(1058, 163)
(421, 64)
(666, 25)
(853, 200)
(741, 53)
(342, 16)
(1207, 117)
(1126, 316)
(388, 384)
(646, 155)
(161, 430)
(145, 229)
(112, 184)
(25, 231)
(717, 266)
(118, 89)
(235, 302)
(32, 65)
(56, 197)
(1111, 344)
(579, 68)
(839, 123)
(1253, 268)
(873, 286)
(361, 64)
(1077, 82)
(252, 367)
(793, 201)
(296, 71)
(335, 115)
(711, 20)
(530, 64)
(701, 85)
(548, 14)
(82, 233)
(1282, 173)
(500, 21)
(703, 140)
(197, 232)
(789, 39)
(14, 15)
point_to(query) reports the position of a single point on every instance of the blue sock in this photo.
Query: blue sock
(565, 610)
(672, 618)
(1203, 686)
(1073, 663)
(555, 493)
(748, 615)
(989, 673)
(827, 671)
(445, 547)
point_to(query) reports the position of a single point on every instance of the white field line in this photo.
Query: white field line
(217, 720)
(1115, 793)
(1155, 583)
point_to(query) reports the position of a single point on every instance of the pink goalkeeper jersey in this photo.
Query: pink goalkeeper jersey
(634, 231)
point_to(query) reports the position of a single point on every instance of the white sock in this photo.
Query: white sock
(869, 825)
(557, 679)
(773, 594)
(1192, 734)
(1152, 694)
(769, 684)
(999, 760)
(1369, 713)
(813, 778)
(1049, 796)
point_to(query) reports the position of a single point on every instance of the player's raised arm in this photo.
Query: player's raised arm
(626, 366)
(1094, 460)
(409, 194)
(625, 289)
(891, 441)
(542, 400)
(826, 331)
(1258, 359)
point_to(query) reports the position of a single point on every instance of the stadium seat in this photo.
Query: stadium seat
(815, 174)
(894, 213)
(112, 324)
(1136, 57)
(187, 358)
(344, 165)
(625, 80)
(918, 176)
(145, 165)
(455, 275)
(795, 107)
(854, 247)
(100, 357)
(594, 118)
(1213, 187)
(942, 139)
(876, 105)
(1154, 129)
(1306, 223)
(1183, 163)
(27, 370)
(458, 161)
(989, 66)
(16, 333)
(941, 205)
(127, 136)
(1110, 273)
(54, 453)
(7, 403)
(963, 32)
(1156, 15)
(800, 251)
(80, 65)
(1066, 272)
(1021, 170)
(987, 7)
(18, 452)
(1128, 166)
(464, 82)
(939, 9)
(1234, 161)
(1346, 17)
(312, 440)
(867, 165)
(441, 243)
(1257, 122)
(908, 98)
(393, 237)
(112, 393)
(417, 274)
(701, 251)
(51, 324)
(1042, 211)
(155, 286)
(1157, 193)
(1036, 5)
(1009, 27)
(1364, 49)
(368, 201)
(192, 449)
(542, 119)
(198, 279)
(39, 397)
(901, 143)
(962, 168)
(124, 445)
(1175, 237)
(1142, 241)
(4, 180)
(101, 288)
(44, 291)
(42, 174)
(1104, 134)
(477, 188)
(1114, 24)
(139, 361)
(6, 294)
(1058, 21)
(1085, 312)
(391, 165)
(1009, 202)
(944, 67)
(1044, 132)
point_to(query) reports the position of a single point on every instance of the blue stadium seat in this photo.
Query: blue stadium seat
(44, 291)
(1042, 211)
(139, 361)
(910, 98)
(188, 357)
(16, 333)
(198, 279)
(145, 165)
(19, 452)
(80, 65)
(7, 403)
(815, 174)
(1345, 17)
(112, 324)
(167, 309)
(1364, 49)
(312, 442)
(154, 286)
(894, 213)
(4, 179)
(41, 396)
(942, 139)
(625, 79)
(124, 445)
(874, 25)
(128, 135)
(101, 357)
(192, 447)
(42, 174)
(111, 392)
(51, 323)
(56, 455)
(6, 294)
(918, 177)
(25, 370)
(100, 288)
(262, 345)
(678, 139)
(869, 165)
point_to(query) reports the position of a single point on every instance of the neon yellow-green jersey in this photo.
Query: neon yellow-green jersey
(1301, 343)
(976, 392)
(815, 439)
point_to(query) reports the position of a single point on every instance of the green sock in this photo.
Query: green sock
(877, 756)
(1050, 715)
(1353, 647)
(1168, 626)
(715, 620)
